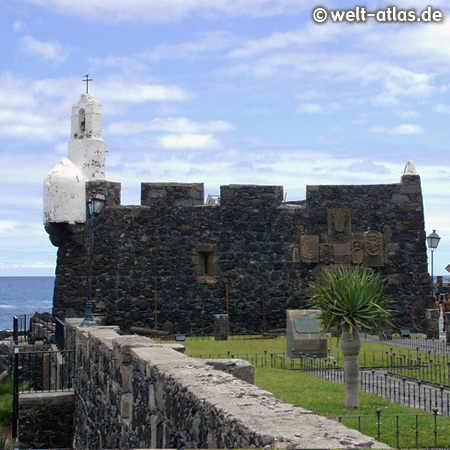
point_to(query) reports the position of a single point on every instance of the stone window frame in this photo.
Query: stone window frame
(205, 263)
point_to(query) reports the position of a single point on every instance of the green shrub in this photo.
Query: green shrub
(6, 403)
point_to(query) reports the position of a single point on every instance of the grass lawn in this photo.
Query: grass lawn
(326, 398)
(372, 354)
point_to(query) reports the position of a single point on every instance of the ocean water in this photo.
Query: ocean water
(24, 295)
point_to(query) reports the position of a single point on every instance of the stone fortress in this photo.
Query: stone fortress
(174, 261)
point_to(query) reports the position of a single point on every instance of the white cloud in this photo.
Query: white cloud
(18, 25)
(408, 129)
(34, 110)
(442, 109)
(188, 141)
(123, 92)
(50, 51)
(401, 129)
(317, 108)
(408, 114)
(35, 265)
(303, 37)
(377, 129)
(399, 84)
(4, 226)
(207, 42)
(171, 10)
(310, 108)
(169, 124)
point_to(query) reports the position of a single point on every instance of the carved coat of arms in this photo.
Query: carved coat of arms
(340, 219)
(357, 253)
(339, 224)
(373, 243)
(309, 249)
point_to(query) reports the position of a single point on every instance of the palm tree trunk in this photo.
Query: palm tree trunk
(350, 345)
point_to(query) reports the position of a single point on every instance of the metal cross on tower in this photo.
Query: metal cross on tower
(87, 82)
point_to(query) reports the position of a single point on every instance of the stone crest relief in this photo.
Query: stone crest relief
(373, 243)
(339, 224)
(373, 248)
(357, 253)
(309, 249)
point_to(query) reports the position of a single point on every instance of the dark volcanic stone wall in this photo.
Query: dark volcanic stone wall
(131, 392)
(46, 420)
(152, 255)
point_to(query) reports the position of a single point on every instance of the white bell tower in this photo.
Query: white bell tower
(87, 149)
(65, 184)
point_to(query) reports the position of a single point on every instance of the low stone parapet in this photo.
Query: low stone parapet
(134, 393)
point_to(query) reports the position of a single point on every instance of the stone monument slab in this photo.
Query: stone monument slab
(221, 327)
(302, 332)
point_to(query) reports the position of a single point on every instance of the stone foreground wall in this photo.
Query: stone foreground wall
(134, 393)
(172, 261)
(46, 420)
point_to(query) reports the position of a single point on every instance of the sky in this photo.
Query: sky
(223, 92)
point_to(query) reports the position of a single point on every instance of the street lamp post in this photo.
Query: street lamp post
(432, 242)
(95, 205)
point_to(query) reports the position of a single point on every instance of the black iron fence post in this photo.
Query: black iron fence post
(16, 329)
(59, 333)
(16, 394)
(435, 411)
(378, 411)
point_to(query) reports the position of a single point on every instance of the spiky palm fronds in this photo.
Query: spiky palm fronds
(351, 295)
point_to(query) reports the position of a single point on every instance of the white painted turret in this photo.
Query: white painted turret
(86, 146)
(65, 184)
(65, 194)
(410, 169)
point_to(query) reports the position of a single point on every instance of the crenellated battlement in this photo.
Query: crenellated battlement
(184, 252)
(172, 194)
(251, 196)
(174, 261)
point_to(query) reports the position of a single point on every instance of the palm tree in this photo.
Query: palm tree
(350, 297)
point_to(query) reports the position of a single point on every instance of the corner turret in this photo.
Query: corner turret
(64, 194)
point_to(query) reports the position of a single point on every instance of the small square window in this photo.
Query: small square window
(205, 263)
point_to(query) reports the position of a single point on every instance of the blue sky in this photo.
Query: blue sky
(220, 92)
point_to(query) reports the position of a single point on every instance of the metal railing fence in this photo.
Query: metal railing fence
(415, 393)
(405, 431)
(42, 371)
(32, 327)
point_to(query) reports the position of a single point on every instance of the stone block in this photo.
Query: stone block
(342, 253)
(180, 348)
(126, 406)
(239, 368)
(302, 334)
(411, 189)
(220, 327)
(251, 196)
(172, 194)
